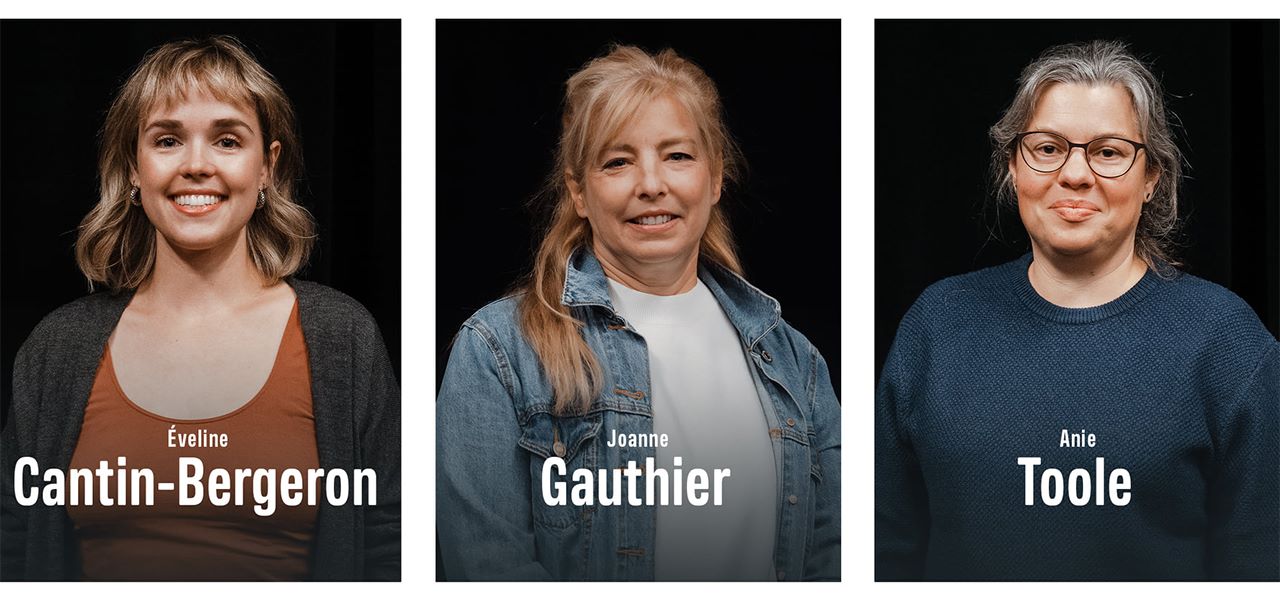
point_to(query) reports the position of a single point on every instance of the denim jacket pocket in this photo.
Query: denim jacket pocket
(571, 438)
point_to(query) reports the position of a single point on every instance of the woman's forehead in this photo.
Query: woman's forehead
(171, 95)
(1086, 111)
(662, 118)
(198, 112)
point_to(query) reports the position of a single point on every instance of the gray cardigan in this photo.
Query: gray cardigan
(357, 410)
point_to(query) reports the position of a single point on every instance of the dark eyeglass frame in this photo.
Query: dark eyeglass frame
(1017, 141)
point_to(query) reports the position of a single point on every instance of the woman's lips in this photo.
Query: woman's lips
(196, 204)
(1074, 211)
(1074, 215)
(652, 224)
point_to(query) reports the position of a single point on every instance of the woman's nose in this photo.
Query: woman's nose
(196, 163)
(651, 184)
(1076, 171)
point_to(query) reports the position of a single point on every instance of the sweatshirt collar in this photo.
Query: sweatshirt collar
(1076, 316)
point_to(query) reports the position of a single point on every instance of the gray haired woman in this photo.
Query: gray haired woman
(1086, 411)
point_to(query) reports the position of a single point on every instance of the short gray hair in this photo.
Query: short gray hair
(1102, 62)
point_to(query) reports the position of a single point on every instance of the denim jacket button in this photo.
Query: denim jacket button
(558, 448)
(793, 499)
(766, 356)
(791, 422)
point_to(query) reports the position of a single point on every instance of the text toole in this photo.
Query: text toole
(1117, 485)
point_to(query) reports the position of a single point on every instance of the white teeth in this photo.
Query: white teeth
(658, 220)
(195, 200)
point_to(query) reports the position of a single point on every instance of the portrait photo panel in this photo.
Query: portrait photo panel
(200, 293)
(1077, 278)
(700, 164)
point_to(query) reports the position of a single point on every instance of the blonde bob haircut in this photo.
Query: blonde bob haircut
(599, 101)
(116, 244)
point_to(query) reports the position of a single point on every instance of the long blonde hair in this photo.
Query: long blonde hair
(599, 101)
(116, 243)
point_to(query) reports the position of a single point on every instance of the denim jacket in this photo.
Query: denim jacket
(495, 428)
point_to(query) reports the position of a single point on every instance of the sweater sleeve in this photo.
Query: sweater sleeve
(380, 444)
(483, 517)
(13, 517)
(15, 442)
(1244, 518)
(902, 506)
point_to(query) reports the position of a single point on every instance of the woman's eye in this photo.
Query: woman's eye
(228, 143)
(615, 163)
(166, 142)
(679, 156)
(1110, 153)
(1047, 150)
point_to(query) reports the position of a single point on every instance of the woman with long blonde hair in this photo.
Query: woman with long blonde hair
(636, 409)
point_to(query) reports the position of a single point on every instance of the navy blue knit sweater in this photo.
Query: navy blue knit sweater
(1178, 383)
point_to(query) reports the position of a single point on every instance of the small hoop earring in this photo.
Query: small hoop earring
(133, 196)
(262, 197)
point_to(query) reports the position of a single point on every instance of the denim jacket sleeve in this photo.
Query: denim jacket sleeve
(484, 523)
(824, 545)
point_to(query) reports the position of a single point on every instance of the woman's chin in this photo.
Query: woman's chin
(197, 242)
(653, 252)
(1068, 241)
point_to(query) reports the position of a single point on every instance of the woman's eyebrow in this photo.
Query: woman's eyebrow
(173, 124)
(230, 122)
(667, 143)
(1105, 134)
(628, 148)
(164, 124)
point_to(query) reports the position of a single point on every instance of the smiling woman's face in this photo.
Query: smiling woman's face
(1073, 211)
(200, 166)
(648, 195)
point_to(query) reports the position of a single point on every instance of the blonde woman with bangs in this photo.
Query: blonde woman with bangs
(200, 333)
(637, 410)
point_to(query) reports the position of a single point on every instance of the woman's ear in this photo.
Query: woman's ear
(717, 186)
(575, 192)
(1150, 187)
(269, 165)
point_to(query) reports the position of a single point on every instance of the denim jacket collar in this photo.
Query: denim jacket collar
(752, 312)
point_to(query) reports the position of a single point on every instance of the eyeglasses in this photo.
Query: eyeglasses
(1108, 157)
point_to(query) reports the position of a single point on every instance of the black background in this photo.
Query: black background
(498, 90)
(943, 84)
(57, 79)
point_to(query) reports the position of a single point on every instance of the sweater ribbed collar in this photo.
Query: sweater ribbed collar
(1059, 314)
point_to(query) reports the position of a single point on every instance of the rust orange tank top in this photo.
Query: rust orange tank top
(166, 541)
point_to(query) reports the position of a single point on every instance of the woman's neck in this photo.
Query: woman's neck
(660, 279)
(1084, 281)
(215, 280)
